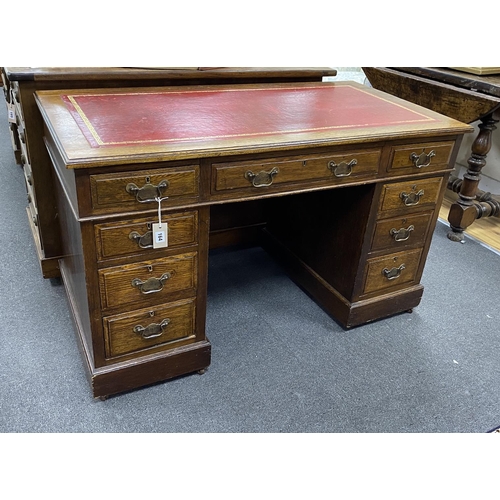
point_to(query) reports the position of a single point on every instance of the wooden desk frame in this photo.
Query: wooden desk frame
(350, 213)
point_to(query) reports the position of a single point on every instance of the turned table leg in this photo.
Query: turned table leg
(466, 210)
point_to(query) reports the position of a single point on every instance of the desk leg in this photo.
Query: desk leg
(466, 209)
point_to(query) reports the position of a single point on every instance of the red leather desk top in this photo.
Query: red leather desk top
(98, 127)
(189, 116)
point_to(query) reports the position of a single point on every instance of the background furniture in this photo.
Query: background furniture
(340, 182)
(26, 129)
(465, 97)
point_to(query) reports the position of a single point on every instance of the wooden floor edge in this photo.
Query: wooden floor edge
(485, 231)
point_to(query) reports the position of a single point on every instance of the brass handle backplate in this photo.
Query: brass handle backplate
(422, 159)
(144, 241)
(395, 272)
(410, 199)
(262, 179)
(401, 234)
(147, 193)
(151, 285)
(153, 330)
(343, 169)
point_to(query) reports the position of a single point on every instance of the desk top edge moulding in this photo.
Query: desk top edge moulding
(339, 182)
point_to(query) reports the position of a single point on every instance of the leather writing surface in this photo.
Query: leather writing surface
(111, 119)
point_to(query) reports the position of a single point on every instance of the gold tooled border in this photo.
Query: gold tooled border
(100, 142)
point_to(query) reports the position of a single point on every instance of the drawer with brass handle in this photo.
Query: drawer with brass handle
(120, 238)
(428, 157)
(401, 231)
(138, 190)
(136, 283)
(256, 176)
(166, 326)
(391, 270)
(410, 194)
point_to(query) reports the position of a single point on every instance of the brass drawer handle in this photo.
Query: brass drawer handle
(151, 331)
(410, 199)
(401, 234)
(144, 241)
(395, 272)
(423, 159)
(343, 169)
(262, 179)
(147, 193)
(151, 285)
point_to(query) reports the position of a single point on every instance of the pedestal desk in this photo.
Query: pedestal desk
(26, 129)
(342, 183)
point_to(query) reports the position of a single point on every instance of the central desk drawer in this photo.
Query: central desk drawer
(116, 239)
(332, 169)
(160, 327)
(137, 190)
(136, 283)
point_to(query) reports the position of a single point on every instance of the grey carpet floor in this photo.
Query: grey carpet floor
(279, 362)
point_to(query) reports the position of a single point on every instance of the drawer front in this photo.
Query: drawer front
(410, 194)
(155, 279)
(424, 157)
(138, 190)
(117, 239)
(33, 213)
(261, 175)
(401, 231)
(167, 326)
(390, 271)
(15, 99)
(14, 137)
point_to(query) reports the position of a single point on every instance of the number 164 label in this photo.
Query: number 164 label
(160, 235)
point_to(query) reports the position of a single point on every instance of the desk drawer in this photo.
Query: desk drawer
(137, 190)
(157, 328)
(261, 175)
(401, 231)
(117, 239)
(406, 196)
(393, 270)
(423, 157)
(146, 281)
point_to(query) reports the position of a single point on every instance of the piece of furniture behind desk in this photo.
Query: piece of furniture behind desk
(26, 134)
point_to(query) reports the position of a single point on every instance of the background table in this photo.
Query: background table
(466, 97)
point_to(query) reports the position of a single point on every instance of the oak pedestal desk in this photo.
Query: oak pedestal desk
(342, 183)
